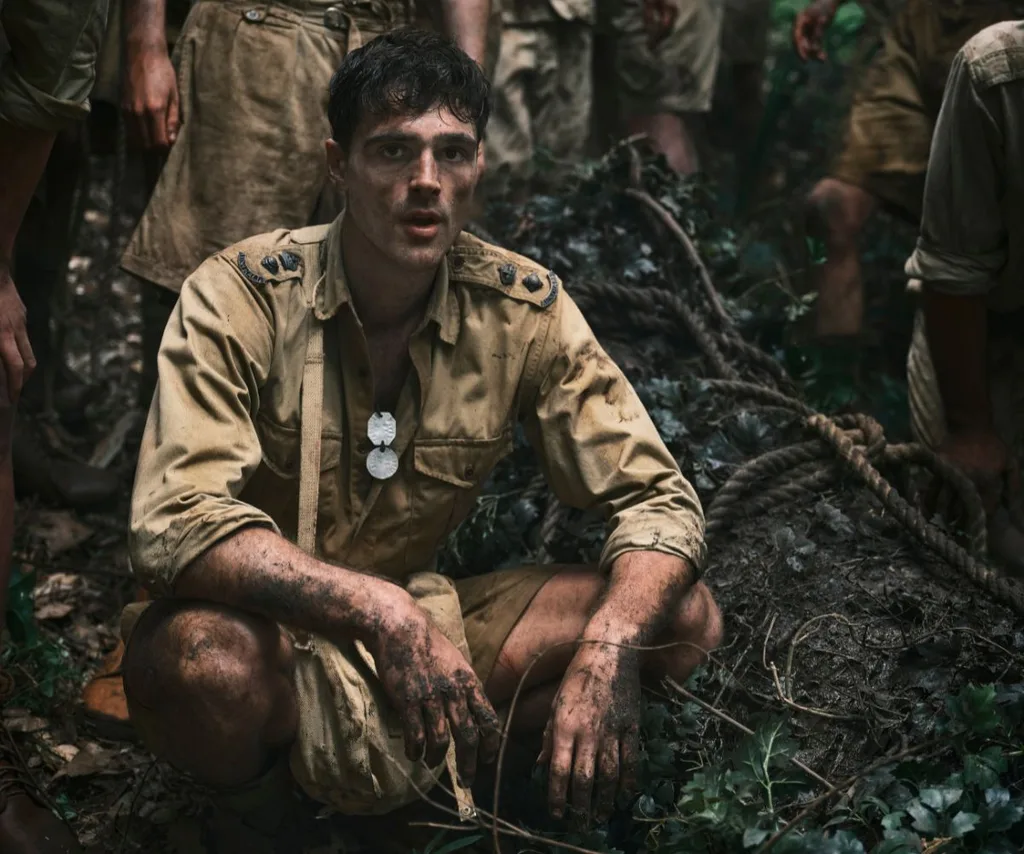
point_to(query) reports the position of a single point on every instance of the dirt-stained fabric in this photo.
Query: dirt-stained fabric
(249, 157)
(972, 228)
(48, 52)
(889, 128)
(542, 89)
(675, 76)
(501, 346)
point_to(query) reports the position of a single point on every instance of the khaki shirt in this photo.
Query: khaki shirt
(501, 344)
(972, 229)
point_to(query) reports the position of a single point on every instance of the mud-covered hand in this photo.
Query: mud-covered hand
(592, 741)
(150, 98)
(810, 26)
(16, 358)
(436, 693)
(659, 16)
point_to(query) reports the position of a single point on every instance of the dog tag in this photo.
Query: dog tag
(382, 462)
(381, 429)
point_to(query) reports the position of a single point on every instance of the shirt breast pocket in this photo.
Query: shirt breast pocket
(448, 476)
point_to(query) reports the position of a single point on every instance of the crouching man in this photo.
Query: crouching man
(348, 389)
(965, 372)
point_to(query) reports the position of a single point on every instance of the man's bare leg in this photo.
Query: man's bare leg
(837, 213)
(559, 613)
(669, 136)
(210, 689)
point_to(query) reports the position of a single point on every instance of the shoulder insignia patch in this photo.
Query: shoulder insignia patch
(251, 275)
(532, 282)
(507, 274)
(290, 261)
(553, 293)
(270, 264)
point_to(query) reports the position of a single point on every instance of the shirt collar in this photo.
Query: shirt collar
(442, 308)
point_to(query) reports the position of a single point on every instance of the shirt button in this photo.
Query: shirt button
(468, 472)
(254, 15)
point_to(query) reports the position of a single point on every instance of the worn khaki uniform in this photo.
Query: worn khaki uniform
(48, 51)
(889, 128)
(501, 345)
(972, 231)
(249, 157)
(675, 76)
(542, 86)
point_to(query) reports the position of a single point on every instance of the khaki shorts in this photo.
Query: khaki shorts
(678, 74)
(1006, 375)
(889, 129)
(542, 97)
(249, 157)
(349, 751)
(48, 51)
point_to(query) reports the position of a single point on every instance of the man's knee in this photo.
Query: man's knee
(698, 628)
(837, 211)
(221, 663)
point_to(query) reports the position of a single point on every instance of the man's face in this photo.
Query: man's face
(408, 182)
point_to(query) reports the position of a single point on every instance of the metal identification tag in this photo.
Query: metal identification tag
(381, 430)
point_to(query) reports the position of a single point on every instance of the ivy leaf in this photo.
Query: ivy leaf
(975, 709)
(894, 820)
(924, 819)
(983, 769)
(898, 842)
(843, 842)
(963, 823)
(1000, 812)
(754, 836)
(940, 799)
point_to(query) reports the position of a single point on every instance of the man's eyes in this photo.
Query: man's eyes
(454, 154)
(393, 151)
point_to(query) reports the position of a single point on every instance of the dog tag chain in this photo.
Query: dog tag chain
(382, 461)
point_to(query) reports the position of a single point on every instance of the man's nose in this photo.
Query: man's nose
(426, 178)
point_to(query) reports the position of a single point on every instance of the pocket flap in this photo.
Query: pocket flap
(465, 463)
(281, 448)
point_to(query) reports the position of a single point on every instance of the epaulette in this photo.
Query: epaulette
(476, 262)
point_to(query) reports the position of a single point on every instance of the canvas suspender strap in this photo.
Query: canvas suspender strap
(312, 423)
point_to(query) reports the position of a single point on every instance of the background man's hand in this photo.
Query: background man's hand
(16, 358)
(151, 98)
(436, 693)
(659, 16)
(593, 736)
(809, 28)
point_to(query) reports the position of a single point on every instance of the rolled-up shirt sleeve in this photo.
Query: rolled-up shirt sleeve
(600, 450)
(962, 247)
(200, 445)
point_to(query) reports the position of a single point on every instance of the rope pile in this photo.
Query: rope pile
(846, 445)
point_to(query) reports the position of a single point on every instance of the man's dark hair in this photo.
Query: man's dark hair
(406, 72)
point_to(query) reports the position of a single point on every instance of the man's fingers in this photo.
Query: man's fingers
(437, 732)
(560, 770)
(487, 723)
(28, 358)
(412, 729)
(466, 737)
(629, 759)
(583, 773)
(173, 119)
(545, 745)
(14, 367)
(607, 778)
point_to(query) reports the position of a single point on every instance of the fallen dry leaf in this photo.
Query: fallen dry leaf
(54, 611)
(90, 759)
(25, 724)
(58, 530)
(67, 752)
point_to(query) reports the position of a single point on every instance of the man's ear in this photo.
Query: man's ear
(335, 163)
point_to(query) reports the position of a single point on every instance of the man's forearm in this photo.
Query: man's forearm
(465, 22)
(644, 589)
(957, 333)
(257, 570)
(23, 153)
(145, 26)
